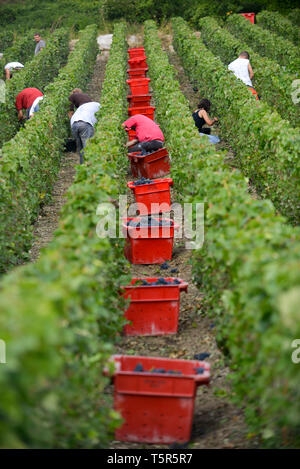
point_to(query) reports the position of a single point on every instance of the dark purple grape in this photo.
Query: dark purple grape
(201, 356)
(158, 370)
(139, 367)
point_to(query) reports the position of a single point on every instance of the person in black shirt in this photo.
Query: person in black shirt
(77, 98)
(201, 117)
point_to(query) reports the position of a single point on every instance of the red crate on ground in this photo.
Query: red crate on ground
(139, 86)
(139, 100)
(154, 165)
(148, 245)
(152, 198)
(147, 111)
(136, 52)
(153, 309)
(137, 72)
(156, 407)
(249, 16)
(137, 62)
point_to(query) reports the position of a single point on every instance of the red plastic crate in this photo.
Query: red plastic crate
(139, 86)
(139, 100)
(131, 134)
(136, 52)
(148, 245)
(137, 62)
(156, 407)
(147, 111)
(154, 165)
(249, 16)
(152, 198)
(153, 309)
(137, 72)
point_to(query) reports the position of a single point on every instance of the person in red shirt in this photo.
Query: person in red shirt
(28, 99)
(149, 137)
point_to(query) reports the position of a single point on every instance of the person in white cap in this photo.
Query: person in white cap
(10, 67)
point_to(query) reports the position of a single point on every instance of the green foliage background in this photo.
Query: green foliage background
(79, 13)
(37, 14)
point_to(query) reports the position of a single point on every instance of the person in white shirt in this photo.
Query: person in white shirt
(82, 125)
(10, 67)
(242, 69)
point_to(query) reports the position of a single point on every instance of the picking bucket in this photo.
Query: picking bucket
(147, 111)
(148, 244)
(137, 72)
(152, 198)
(249, 16)
(153, 165)
(131, 134)
(157, 407)
(139, 100)
(153, 309)
(137, 62)
(139, 86)
(136, 52)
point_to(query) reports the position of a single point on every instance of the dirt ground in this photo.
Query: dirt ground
(48, 218)
(217, 422)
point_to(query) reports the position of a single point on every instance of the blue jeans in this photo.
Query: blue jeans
(81, 131)
(36, 109)
(146, 147)
(212, 138)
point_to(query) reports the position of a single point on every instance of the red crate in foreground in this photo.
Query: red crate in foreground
(137, 72)
(136, 52)
(153, 165)
(152, 198)
(148, 244)
(139, 85)
(153, 309)
(139, 100)
(249, 16)
(156, 407)
(147, 111)
(137, 62)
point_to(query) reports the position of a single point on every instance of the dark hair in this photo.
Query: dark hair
(204, 104)
(245, 54)
(37, 34)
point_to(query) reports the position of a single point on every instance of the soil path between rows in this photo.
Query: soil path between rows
(48, 218)
(217, 422)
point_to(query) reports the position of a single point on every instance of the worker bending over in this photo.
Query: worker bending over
(77, 98)
(149, 137)
(82, 125)
(29, 100)
(12, 67)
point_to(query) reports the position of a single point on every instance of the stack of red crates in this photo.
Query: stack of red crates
(155, 396)
(139, 100)
(156, 164)
(143, 245)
